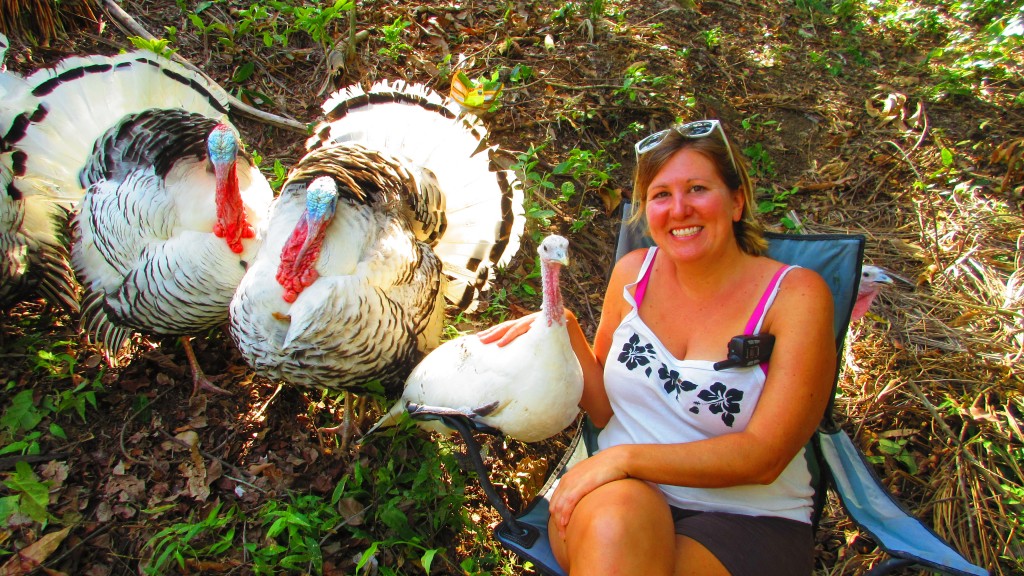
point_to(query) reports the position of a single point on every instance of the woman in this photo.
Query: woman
(700, 471)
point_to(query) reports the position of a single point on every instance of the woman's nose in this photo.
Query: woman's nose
(681, 205)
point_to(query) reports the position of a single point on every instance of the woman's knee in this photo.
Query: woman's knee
(622, 511)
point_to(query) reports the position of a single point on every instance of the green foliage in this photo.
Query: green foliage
(497, 307)
(592, 169)
(315, 19)
(712, 38)
(636, 79)
(412, 494)
(28, 496)
(27, 410)
(778, 202)
(209, 538)
(535, 183)
(394, 47)
(761, 163)
(157, 46)
(897, 450)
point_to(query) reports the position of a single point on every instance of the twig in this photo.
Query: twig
(10, 461)
(123, 18)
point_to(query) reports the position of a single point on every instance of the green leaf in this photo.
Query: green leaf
(35, 495)
(243, 72)
(428, 558)
(22, 413)
(947, 157)
(370, 552)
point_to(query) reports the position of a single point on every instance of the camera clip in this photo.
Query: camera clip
(748, 350)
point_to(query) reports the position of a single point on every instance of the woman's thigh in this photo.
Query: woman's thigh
(622, 527)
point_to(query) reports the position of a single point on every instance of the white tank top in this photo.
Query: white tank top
(658, 399)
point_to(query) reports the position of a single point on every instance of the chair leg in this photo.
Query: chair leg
(888, 565)
(514, 530)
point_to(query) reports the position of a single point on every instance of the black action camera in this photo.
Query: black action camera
(748, 351)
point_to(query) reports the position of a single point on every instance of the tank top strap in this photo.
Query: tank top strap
(644, 276)
(757, 317)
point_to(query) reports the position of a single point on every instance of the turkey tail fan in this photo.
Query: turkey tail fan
(33, 253)
(87, 95)
(483, 204)
(33, 250)
(100, 329)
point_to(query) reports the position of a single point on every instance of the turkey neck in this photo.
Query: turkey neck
(554, 309)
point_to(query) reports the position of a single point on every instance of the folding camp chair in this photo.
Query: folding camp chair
(832, 457)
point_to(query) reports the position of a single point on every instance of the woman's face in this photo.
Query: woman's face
(690, 210)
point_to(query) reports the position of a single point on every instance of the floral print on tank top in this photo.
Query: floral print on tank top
(717, 398)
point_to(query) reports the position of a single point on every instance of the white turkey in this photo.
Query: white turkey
(872, 279)
(34, 259)
(529, 389)
(396, 205)
(171, 205)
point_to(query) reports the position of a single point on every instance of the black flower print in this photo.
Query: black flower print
(670, 379)
(720, 400)
(635, 354)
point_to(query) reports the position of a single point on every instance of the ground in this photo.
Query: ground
(853, 121)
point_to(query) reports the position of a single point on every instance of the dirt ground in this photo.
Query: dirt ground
(123, 472)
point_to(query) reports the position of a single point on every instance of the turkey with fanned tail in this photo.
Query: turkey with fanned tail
(171, 205)
(396, 206)
(34, 257)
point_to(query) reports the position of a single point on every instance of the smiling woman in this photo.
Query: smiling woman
(696, 457)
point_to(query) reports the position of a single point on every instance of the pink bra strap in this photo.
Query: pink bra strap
(755, 318)
(641, 285)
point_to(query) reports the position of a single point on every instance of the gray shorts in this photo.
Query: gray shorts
(751, 545)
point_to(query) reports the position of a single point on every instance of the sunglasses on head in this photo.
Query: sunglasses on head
(698, 129)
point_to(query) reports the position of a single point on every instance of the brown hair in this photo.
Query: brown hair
(749, 231)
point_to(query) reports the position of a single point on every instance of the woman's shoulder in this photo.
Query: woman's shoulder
(804, 289)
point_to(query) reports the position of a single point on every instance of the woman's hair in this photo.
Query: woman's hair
(749, 231)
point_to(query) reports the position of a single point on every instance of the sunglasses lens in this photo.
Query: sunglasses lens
(650, 142)
(698, 129)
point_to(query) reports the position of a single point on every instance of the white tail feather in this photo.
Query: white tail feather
(84, 96)
(483, 204)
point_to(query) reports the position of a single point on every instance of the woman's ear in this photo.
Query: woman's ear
(738, 201)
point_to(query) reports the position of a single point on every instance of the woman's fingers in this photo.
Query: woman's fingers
(506, 332)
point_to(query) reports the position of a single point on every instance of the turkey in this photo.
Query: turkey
(872, 279)
(34, 258)
(395, 209)
(171, 206)
(529, 389)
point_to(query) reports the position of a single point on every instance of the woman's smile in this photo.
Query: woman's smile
(687, 232)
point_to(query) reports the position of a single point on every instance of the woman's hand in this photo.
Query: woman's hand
(586, 476)
(508, 331)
